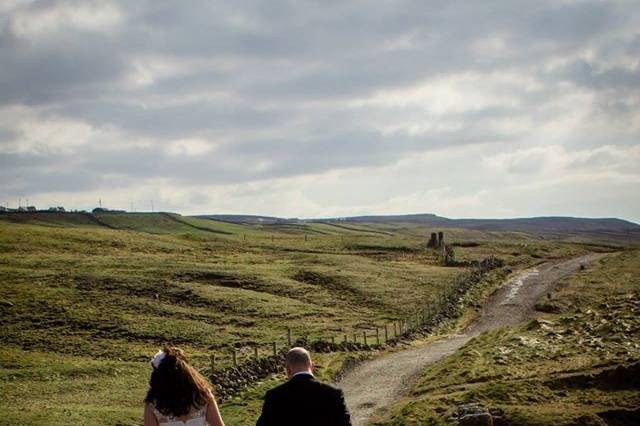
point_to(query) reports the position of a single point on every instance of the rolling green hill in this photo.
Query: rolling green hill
(85, 300)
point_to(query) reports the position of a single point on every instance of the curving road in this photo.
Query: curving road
(376, 383)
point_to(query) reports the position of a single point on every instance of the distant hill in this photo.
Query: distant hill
(162, 223)
(549, 226)
(550, 223)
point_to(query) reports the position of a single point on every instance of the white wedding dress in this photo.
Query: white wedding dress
(195, 418)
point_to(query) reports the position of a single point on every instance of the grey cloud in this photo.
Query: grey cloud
(237, 162)
(584, 73)
(7, 134)
(269, 82)
(170, 121)
(317, 50)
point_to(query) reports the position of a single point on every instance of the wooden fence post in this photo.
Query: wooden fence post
(377, 335)
(386, 333)
(364, 337)
(275, 349)
(255, 352)
(355, 338)
(234, 355)
(289, 336)
(212, 359)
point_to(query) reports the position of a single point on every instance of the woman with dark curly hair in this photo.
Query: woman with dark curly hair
(178, 395)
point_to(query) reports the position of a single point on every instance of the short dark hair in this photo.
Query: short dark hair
(175, 387)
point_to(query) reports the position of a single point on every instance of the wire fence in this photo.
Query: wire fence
(360, 338)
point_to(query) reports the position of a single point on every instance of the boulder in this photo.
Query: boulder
(473, 414)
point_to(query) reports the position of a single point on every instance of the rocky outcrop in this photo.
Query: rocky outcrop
(473, 414)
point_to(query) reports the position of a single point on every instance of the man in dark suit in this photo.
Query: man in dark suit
(303, 400)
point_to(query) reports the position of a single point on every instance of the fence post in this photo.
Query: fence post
(355, 338)
(386, 333)
(364, 337)
(377, 335)
(212, 359)
(333, 339)
(275, 349)
(346, 339)
(234, 355)
(255, 351)
(289, 336)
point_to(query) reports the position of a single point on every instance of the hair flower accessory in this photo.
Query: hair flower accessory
(157, 358)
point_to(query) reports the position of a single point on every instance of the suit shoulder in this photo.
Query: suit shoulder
(281, 388)
(330, 388)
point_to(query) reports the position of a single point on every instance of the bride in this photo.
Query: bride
(178, 395)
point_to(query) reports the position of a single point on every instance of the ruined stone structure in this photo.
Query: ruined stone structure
(433, 241)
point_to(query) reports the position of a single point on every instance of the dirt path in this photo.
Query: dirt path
(378, 382)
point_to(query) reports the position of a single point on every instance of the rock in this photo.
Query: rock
(473, 414)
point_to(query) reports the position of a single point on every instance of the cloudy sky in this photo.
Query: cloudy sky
(323, 108)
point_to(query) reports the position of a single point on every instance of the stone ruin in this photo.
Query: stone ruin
(436, 240)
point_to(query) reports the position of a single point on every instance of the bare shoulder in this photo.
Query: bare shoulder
(211, 399)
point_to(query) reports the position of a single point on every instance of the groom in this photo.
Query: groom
(303, 400)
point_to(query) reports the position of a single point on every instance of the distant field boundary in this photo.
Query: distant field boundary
(93, 218)
(191, 225)
(348, 228)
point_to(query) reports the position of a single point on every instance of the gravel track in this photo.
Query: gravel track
(376, 383)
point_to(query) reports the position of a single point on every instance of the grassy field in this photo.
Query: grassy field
(86, 299)
(578, 364)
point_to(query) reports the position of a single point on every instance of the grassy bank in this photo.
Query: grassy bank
(576, 365)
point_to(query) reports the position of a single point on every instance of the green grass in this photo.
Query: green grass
(547, 371)
(80, 316)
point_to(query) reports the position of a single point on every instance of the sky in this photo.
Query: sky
(323, 108)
